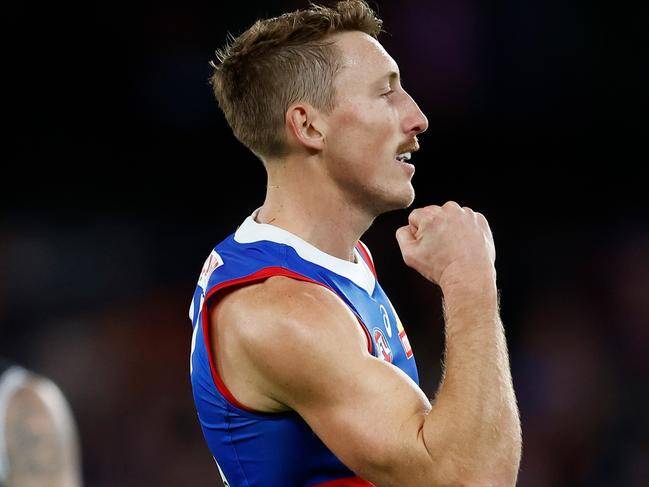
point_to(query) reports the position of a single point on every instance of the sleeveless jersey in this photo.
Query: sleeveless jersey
(258, 449)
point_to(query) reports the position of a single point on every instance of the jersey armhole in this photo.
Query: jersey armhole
(250, 279)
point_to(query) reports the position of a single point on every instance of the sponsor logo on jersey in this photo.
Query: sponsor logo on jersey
(405, 343)
(386, 320)
(212, 262)
(382, 345)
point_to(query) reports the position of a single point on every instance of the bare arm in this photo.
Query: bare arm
(474, 419)
(41, 438)
(303, 348)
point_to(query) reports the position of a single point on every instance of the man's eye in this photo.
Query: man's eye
(387, 94)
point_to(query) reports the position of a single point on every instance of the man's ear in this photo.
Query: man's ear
(305, 126)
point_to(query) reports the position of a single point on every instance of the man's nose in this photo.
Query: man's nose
(415, 121)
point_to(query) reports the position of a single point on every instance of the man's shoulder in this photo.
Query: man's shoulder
(277, 297)
(281, 308)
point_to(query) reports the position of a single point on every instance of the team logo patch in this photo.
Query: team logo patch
(212, 262)
(385, 352)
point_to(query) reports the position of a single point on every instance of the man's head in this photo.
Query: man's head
(279, 61)
(317, 84)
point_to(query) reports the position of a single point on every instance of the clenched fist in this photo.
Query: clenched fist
(448, 245)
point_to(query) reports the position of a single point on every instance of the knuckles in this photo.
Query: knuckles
(451, 205)
(429, 213)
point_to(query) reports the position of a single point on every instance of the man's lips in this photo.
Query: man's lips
(412, 146)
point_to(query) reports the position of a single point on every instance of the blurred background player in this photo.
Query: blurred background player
(38, 439)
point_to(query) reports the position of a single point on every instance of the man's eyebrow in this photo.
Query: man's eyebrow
(392, 76)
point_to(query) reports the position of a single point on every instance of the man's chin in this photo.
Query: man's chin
(407, 200)
(401, 203)
(411, 200)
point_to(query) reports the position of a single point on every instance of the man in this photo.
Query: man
(38, 439)
(301, 370)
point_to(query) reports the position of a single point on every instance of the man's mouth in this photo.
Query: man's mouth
(405, 151)
(403, 157)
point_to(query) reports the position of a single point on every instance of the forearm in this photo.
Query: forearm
(473, 430)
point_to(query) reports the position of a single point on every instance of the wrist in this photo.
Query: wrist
(476, 280)
(476, 290)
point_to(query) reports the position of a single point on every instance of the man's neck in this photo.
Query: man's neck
(320, 214)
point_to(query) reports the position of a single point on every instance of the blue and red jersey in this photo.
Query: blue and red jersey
(259, 449)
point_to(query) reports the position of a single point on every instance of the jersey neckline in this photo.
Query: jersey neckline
(358, 272)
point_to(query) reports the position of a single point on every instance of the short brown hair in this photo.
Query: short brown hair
(279, 61)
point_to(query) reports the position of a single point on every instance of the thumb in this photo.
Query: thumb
(404, 236)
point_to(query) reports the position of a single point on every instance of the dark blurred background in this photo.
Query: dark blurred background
(120, 174)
